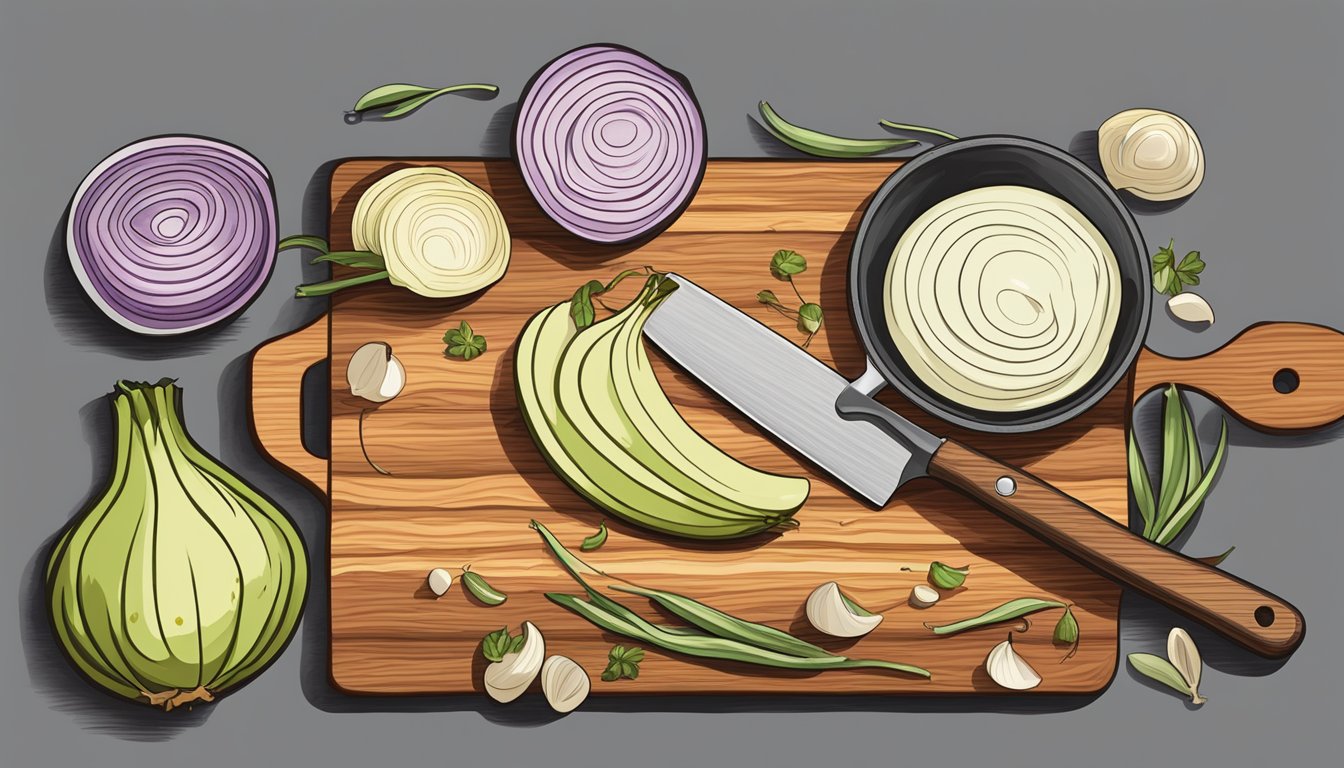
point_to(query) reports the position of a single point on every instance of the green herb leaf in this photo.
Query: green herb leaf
(464, 343)
(946, 577)
(809, 318)
(615, 281)
(1187, 507)
(785, 264)
(581, 305)
(622, 662)
(768, 298)
(1169, 277)
(405, 98)
(1175, 465)
(596, 540)
(303, 241)
(1066, 632)
(498, 643)
(1161, 670)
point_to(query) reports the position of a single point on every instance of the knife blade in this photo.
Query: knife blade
(788, 392)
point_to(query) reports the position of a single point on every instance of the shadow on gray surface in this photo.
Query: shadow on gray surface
(52, 674)
(82, 324)
(498, 138)
(315, 213)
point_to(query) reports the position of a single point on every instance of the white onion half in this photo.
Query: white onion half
(1003, 298)
(439, 234)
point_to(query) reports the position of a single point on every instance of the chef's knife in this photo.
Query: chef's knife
(874, 451)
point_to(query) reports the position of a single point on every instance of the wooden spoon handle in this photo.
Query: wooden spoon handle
(1235, 609)
(1273, 376)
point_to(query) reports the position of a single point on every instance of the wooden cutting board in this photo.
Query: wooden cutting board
(465, 478)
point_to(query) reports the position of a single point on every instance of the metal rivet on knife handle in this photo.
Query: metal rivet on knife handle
(1005, 486)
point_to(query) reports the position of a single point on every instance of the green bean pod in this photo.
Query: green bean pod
(1013, 609)
(729, 627)
(823, 144)
(480, 589)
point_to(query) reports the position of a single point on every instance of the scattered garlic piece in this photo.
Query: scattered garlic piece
(830, 612)
(1008, 669)
(508, 678)
(923, 596)
(1184, 656)
(1190, 307)
(374, 373)
(565, 683)
(439, 581)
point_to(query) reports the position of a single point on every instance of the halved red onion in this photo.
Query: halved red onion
(174, 233)
(611, 143)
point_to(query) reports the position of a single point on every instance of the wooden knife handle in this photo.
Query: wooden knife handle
(1272, 376)
(1239, 611)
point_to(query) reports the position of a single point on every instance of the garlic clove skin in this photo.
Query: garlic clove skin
(508, 678)
(1184, 656)
(923, 596)
(374, 373)
(565, 683)
(1009, 670)
(1191, 308)
(827, 611)
(439, 581)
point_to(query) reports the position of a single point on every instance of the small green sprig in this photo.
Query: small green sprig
(622, 662)
(500, 642)
(581, 309)
(463, 342)
(1185, 479)
(809, 317)
(1170, 277)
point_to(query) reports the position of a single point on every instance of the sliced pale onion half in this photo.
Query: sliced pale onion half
(1152, 154)
(439, 234)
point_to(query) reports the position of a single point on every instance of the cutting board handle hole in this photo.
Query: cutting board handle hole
(1264, 616)
(1286, 381)
(315, 411)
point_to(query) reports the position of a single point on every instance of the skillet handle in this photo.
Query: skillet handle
(1275, 377)
(1235, 609)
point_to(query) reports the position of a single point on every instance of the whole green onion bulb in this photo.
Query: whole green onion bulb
(180, 581)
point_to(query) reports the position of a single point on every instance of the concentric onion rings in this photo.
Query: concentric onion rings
(173, 234)
(439, 234)
(1003, 298)
(610, 143)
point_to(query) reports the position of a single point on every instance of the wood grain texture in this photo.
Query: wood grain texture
(275, 410)
(466, 478)
(1307, 361)
(1255, 619)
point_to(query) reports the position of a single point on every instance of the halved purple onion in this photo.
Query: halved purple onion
(611, 143)
(172, 234)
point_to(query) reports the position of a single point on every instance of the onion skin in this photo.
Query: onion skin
(173, 234)
(611, 143)
(180, 581)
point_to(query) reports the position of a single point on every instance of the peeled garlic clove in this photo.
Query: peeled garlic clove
(1009, 670)
(1184, 656)
(374, 373)
(1191, 308)
(923, 596)
(439, 581)
(508, 678)
(565, 683)
(1151, 153)
(830, 612)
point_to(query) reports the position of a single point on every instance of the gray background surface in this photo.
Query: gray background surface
(1259, 81)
